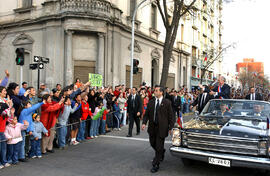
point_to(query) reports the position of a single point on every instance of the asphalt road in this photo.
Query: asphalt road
(116, 155)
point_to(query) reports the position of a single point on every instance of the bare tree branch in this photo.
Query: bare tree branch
(187, 8)
(165, 21)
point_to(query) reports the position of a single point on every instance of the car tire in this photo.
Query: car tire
(187, 162)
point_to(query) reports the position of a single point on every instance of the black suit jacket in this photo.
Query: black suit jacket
(138, 105)
(165, 117)
(257, 96)
(225, 91)
(198, 101)
(176, 103)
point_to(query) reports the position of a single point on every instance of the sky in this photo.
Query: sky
(247, 23)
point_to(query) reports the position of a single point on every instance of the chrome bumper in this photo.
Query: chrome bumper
(237, 160)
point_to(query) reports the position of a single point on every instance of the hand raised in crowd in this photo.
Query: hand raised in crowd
(62, 100)
(9, 102)
(12, 111)
(211, 93)
(7, 73)
(26, 93)
(26, 124)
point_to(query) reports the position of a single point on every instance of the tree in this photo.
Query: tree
(180, 8)
(212, 57)
(253, 79)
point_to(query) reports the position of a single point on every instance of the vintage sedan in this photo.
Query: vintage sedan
(226, 133)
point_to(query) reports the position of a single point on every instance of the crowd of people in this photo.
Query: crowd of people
(33, 122)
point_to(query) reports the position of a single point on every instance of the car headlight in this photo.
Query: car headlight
(176, 137)
(176, 141)
(176, 133)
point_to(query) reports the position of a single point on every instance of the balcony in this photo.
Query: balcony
(86, 6)
(184, 47)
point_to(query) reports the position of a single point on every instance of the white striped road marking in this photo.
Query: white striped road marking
(131, 138)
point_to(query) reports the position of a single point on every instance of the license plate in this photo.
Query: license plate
(220, 162)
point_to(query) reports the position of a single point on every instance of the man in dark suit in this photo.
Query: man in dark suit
(222, 91)
(224, 111)
(134, 111)
(257, 111)
(176, 103)
(159, 113)
(253, 95)
(202, 98)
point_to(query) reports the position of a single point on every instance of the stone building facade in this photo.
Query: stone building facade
(88, 36)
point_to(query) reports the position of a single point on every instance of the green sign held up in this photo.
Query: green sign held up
(95, 79)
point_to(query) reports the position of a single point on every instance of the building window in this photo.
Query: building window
(194, 53)
(132, 7)
(182, 32)
(193, 71)
(26, 3)
(154, 16)
(210, 75)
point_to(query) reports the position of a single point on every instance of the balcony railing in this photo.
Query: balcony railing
(86, 6)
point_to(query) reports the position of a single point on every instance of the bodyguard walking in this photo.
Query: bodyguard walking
(134, 110)
(159, 113)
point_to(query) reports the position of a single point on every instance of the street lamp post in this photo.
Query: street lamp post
(132, 42)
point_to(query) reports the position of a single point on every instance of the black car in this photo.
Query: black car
(227, 133)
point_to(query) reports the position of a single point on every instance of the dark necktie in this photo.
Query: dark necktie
(156, 114)
(133, 101)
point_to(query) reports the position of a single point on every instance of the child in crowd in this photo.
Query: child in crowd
(5, 111)
(14, 137)
(26, 111)
(94, 123)
(75, 119)
(36, 136)
(63, 120)
(117, 113)
(86, 111)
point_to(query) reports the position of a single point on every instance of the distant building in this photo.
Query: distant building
(249, 65)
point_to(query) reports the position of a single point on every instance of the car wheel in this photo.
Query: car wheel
(187, 162)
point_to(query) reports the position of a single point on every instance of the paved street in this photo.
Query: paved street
(115, 155)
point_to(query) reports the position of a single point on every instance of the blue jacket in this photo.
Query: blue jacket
(116, 110)
(26, 114)
(63, 118)
(38, 130)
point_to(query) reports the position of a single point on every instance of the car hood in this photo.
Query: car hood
(233, 127)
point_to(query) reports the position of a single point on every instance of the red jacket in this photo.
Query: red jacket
(104, 115)
(85, 111)
(49, 113)
(3, 124)
(116, 93)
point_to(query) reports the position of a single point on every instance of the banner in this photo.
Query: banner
(95, 79)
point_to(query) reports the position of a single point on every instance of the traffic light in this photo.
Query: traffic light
(135, 66)
(19, 56)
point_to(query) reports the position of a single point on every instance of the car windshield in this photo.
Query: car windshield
(237, 108)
